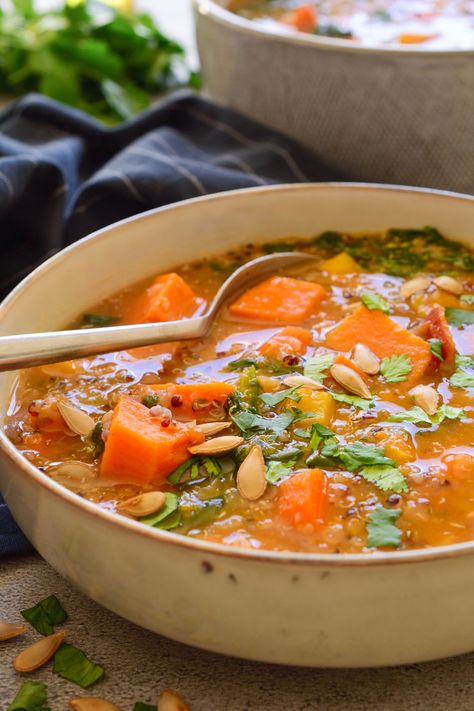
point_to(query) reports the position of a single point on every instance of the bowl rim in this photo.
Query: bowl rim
(324, 560)
(229, 19)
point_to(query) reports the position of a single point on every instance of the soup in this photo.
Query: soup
(329, 410)
(434, 24)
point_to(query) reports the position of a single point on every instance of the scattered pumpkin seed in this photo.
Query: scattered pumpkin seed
(251, 480)
(412, 286)
(9, 630)
(296, 381)
(365, 359)
(78, 421)
(212, 428)
(427, 398)
(143, 504)
(218, 445)
(91, 703)
(171, 701)
(449, 284)
(39, 653)
(350, 380)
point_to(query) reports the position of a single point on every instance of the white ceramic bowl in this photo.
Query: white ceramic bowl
(388, 114)
(306, 609)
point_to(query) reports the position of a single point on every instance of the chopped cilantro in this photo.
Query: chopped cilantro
(273, 399)
(316, 365)
(354, 400)
(374, 302)
(319, 433)
(45, 615)
(139, 706)
(418, 416)
(241, 363)
(381, 528)
(176, 475)
(461, 379)
(96, 439)
(72, 664)
(167, 517)
(212, 466)
(248, 386)
(247, 420)
(396, 368)
(98, 320)
(464, 361)
(333, 31)
(467, 299)
(386, 477)
(359, 454)
(459, 317)
(150, 400)
(436, 347)
(276, 471)
(32, 696)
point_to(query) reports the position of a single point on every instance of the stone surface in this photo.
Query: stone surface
(138, 664)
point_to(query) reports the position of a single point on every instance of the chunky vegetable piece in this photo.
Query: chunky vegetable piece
(348, 430)
(279, 299)
(143, 448)
(383, 336)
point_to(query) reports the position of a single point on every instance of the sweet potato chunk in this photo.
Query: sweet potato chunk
(383, 336)
(279, 299)
(342, 263)
(169, 298)
(438, 327)
(140, 449)
(302, 499)
(292, 340)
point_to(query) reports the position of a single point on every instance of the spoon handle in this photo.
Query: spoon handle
(26, 350)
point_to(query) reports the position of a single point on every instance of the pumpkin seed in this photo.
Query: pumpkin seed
(39, 653)
(251, 481)
(218, 445)
(78, 421)
(413, 285)
(9, 630)
(143, 504)
(447, 283)
(212, 428)
(427, 398)
(296, 381)
(350, 380)
(74, 475)
(365, 359)
(170, 701)
(91, 703)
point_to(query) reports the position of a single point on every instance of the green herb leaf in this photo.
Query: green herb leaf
(418, 416)
(31, 697)
(72, 664)
(359, 454)
(139, 706)
(96, 439)
(45, 615)
(396, 368)
(98, 320)
(464, 361)
(381, 528)
(459, 317)
(374, 302)
(248, 386)
(241, 364)
(436, 347)
(319, 433)
(461, 379)
(353, 400)
(165, 518)
(315, 366)
(386, 477)
(247, 420)
(211, 466)
(273, 399)
(176, 475)
(276, 471)
(467, 299)
(150, 401)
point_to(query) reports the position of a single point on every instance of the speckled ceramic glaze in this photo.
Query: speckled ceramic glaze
(400, 114)
(306, 609)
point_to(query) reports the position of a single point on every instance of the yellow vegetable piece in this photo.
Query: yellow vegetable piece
(319, 402)
(342, 263)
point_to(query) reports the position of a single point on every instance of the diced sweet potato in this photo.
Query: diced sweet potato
(279, 299)
(140, 449)
(438, 327)
(383, 336)
(304, 18)
(460, 467)
(193, 400)
(302, 499)
(414, 38)
(319, 402)
(292, 340)
(169, 298)
(342, 263)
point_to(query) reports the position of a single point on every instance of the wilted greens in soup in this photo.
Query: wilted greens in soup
(436, 24)
(329, 410)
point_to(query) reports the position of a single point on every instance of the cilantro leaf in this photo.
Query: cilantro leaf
(319, 433)
(276, 471)
(45, 615)
(417, 415)
(248, 386)
(395, 368)
(315, 366)
(139, 706)
(359, 454)
(247, 420)
(381, 528)
(273, 399)
(354, 400)
(211, 465)
(31, 697)
(241, 363)
(96, 439)
(464, 361)
(461, 379)
(467, 299)
(386, 477)
(167, 517)
(374, 302)
(150, 401)
(176, 475)
(447, 412)
(459, 317)
(98, 320)
(436, 347)
(72, 664)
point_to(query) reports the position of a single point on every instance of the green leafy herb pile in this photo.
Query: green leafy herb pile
(88, 55)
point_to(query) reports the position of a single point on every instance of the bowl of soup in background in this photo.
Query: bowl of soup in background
(308, 609)
(388, 113)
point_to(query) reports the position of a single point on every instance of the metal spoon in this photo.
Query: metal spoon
(26, 350)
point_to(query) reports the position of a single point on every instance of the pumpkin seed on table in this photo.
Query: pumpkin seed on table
(365, 359)
(427, 398)
(211, 428)
(169, 700)
(143, 504)
(350, 380)
(9, 631)
(413, 286)
(251, 479)
(449, 284)
(91, 703)
(39, 653)
(218, 445)
(78, 421)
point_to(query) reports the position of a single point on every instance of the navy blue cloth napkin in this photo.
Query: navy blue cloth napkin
(63, 175)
